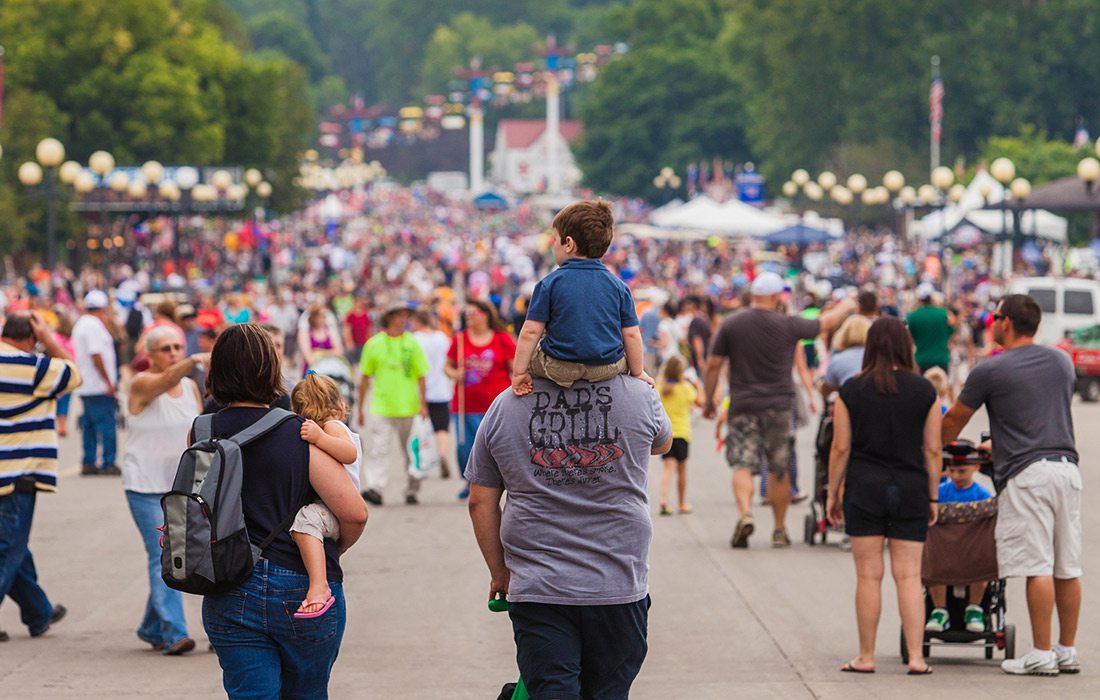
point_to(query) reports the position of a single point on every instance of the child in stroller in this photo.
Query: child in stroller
(959, 487)
(959, 565)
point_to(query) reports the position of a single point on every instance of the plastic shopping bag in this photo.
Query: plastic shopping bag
(423, 454)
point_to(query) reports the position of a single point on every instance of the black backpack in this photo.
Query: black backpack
(205, 546)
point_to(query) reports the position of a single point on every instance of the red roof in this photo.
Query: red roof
(521, 133)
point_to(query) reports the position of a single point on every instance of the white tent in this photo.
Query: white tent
(970, 209)
(704, 214)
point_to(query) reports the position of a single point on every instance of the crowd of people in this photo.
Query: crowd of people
(535, 347)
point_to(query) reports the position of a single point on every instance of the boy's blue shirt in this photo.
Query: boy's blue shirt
(585, 307)
(950, 494)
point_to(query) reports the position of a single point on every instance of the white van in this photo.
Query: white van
(1068, 303)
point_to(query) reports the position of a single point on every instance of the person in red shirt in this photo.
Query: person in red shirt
(357, 328)
(480, 363)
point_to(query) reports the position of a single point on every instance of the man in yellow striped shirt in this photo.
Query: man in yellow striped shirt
(30, 385)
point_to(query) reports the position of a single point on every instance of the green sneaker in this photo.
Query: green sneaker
(938, 621)
(975, 619)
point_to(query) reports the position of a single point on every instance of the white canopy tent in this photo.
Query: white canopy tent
(970, 209)
(730, 218)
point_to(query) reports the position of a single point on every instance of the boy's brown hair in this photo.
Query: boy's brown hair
(590, 224)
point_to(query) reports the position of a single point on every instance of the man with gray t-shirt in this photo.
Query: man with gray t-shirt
(760, 343)
(570, 549)
(1027, 391)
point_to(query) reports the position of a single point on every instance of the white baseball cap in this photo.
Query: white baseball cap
(96, 299)
(925, 290)
(768, 284)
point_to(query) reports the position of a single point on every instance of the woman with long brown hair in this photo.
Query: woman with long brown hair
(480, 362)
(884, 472)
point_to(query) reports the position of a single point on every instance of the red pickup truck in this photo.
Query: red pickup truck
(1083, 345)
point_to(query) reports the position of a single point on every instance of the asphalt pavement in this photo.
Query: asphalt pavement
(756, 623)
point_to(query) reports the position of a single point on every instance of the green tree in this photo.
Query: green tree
(279, 31)
(468, 36)
(1037, 157)
(655, 107)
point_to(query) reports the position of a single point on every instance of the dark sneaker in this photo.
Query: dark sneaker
(373, 497)
(110, 470)
(411, 499)
(740, 539)
(58, 613)
(88, 470)
(4, 636)
(181, 647)
(780, 540)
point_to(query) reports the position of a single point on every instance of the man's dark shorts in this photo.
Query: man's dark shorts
(567, 652)
(767, 434)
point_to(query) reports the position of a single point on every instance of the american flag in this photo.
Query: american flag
(935, 106)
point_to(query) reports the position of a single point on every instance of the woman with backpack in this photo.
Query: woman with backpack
(162, 404)
(262, 649)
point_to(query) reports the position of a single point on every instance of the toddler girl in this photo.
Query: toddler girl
(317, 399)
(678, 395)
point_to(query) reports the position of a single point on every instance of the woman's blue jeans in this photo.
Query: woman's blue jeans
(264, 652)
(470, 424)
(163, 622)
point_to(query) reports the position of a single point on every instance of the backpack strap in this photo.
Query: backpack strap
(271, 420)
(202, 428)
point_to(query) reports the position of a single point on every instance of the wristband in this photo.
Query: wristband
(934, 500)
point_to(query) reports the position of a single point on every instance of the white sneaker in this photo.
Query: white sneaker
(1033, 663)
(1068, 661)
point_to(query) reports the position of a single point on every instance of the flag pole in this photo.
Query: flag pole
(935, 100)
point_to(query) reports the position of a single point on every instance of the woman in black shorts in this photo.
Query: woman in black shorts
(886, 452)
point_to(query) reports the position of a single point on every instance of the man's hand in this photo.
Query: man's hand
(40, 328)
(644, 376)
(522, 384)
(935, 514)
(111, 390)
(498, 584)
(710, 410)
(311, 432)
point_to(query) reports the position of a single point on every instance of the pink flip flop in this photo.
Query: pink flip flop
(319, 613)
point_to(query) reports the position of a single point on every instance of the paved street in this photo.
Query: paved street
(724, 624)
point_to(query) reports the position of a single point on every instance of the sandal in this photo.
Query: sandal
(300, 615)
(686, 509)
(926, 671)
(849, 668)
(665, 510)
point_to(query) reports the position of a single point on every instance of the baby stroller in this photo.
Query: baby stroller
(340, 371)
(961, 551)
(816, 525)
